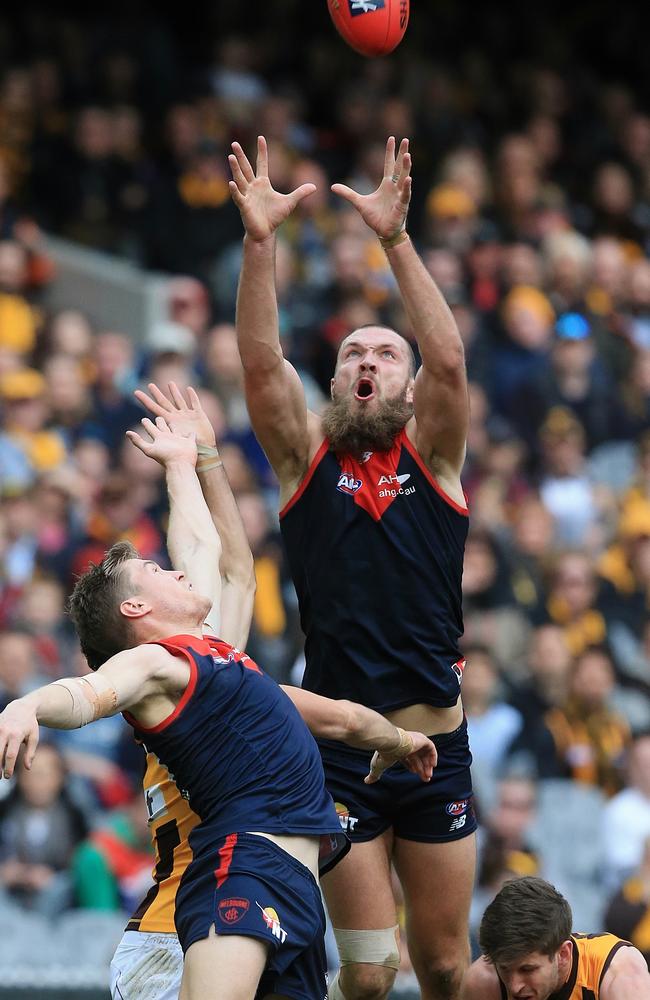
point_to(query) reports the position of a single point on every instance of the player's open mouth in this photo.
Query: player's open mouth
(365, 389)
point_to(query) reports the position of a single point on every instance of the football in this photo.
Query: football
(371, 27)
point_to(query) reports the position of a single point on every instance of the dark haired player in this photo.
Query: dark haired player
(374, 521)
(248, 910)
(530, 953)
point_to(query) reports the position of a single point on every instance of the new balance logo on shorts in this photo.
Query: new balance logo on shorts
(457, 809)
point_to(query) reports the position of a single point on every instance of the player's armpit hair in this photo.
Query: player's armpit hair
(92, 698)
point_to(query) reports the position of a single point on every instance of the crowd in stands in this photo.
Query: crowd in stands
(531, 210)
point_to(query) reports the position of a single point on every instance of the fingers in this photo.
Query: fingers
(389, 159)
(262, 157)
(177, 396)
(236, 194)
(151, 404)
(9, 757)
(243, 163)
(139, 442)
(343, 191)
(195, 402)
(31, 744)
(238, 175)
(301, 192)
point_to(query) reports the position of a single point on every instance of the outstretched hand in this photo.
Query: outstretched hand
(386, 208)
(165, 447)
(262, 208)
(18, 727)
(182, 417)
(421, 759)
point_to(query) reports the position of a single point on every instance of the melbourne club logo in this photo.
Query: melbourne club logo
(364, 6)
(232, 910)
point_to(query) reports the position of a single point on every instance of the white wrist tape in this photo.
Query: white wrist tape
(92, 698)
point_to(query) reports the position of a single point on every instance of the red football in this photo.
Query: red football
(371, 27)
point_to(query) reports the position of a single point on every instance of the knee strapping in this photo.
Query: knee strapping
(369, 947)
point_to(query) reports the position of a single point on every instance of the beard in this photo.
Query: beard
(353, 433)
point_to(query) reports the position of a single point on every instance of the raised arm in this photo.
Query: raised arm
(274, 393)
(361, 727)
(440, 398)
(236, 568)
(192, 538)
(126, 680)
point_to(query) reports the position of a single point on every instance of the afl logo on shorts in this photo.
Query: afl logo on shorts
(458, 807)
(348, 484)
(458, 668)
(232, 910)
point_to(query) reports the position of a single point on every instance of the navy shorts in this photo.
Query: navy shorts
(250, 886)
(434, 812)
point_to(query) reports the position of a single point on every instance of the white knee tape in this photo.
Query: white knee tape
(334, 991)
(370, 947)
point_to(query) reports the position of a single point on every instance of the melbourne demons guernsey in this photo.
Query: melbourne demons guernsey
(376, 550)
(234, 756)
(592, 956)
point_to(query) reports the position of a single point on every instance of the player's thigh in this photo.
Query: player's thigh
(437, 881)
(150, 964)
(223, 967)
(358, 890)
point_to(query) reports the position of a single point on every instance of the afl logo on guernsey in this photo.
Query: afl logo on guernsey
(348, 484)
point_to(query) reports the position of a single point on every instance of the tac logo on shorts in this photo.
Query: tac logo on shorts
(272, 921)
(232, 910)
(348, 484)
(364, 6)
(347, 822)
(458, 807)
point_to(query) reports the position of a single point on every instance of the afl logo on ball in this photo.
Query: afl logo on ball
(232, 910)
(458, 807)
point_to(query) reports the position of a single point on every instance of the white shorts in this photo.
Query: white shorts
(146, 967)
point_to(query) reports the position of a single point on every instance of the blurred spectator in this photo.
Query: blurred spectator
(20, 669)
(590, 737)
(39, 830)
(626, 821)
(628, 911)
(574, 380)
(572, 601)
(492, 723)
(112, 869)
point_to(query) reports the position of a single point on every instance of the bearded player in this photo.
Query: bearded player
(374, 520)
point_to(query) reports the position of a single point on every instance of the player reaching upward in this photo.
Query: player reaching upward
(233, 741)
(530, 953)
(374, 520)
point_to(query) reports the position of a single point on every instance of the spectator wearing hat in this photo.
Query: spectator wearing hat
(451, 217)
(573, 379)
(528, 318)
(25, 414)
(565, 484)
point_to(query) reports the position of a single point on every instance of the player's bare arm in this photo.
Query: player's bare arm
(627, 976)
(440, 395)
(146, 680)
(361, 727)
(195, 543)
(276, 402)
(186, 416)
(481, 982)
